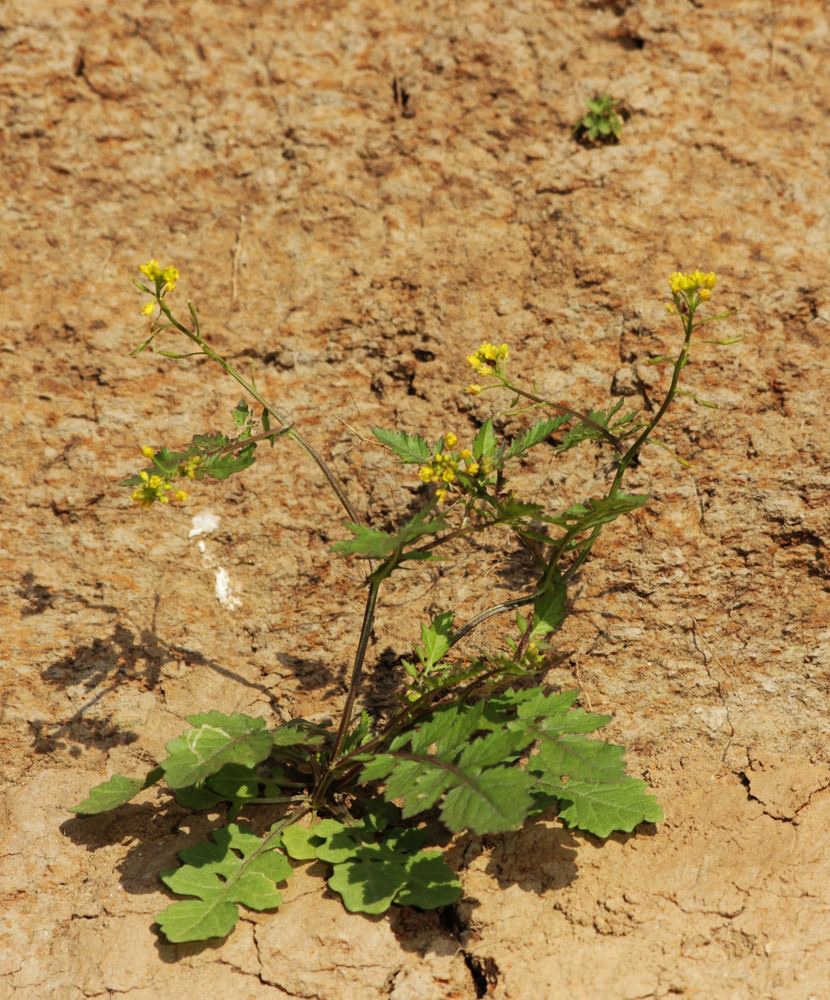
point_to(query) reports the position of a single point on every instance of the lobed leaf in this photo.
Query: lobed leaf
(587, 432)
(410, 448)
(115, 792)
(375, 866)
(215, 740)
(471, 780)
(579, 518)
(436, 639)
(485, 441)
(373, 544)
(215, 463)
(603, 808)
(548, 610)
(237, 867)
(536, 434)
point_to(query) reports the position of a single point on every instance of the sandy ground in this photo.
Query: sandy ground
(350, 252)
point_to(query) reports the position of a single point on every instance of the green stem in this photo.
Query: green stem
(357, 669)
(563, 408)
(497, 609)
(629, 456)
(276, 799)
(625, 462)
(289, 430)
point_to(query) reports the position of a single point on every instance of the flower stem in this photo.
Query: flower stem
(196, 336)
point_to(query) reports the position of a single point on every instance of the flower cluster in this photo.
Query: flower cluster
(156, 485)
(189, 466)
(155, 488)
(691, 288)
(164, 280)
(487, 360)
(445, 467)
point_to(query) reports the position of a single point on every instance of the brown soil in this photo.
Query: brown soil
(350, 251)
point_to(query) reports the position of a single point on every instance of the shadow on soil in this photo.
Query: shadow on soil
(126, 655)
(540, 858)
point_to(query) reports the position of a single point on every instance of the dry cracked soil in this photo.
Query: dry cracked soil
(350, 248)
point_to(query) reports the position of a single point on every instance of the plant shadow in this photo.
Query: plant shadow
(134, 654)
(541, 857)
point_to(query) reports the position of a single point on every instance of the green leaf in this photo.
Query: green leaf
(373, 544)
(374, 866)
(410, 448)
(300, 842)
(476, 789)
(241, 413)
(366, 886)
(588, 432)
(537, 433)
(197, 797)
(588, 775)
(359, 733)
(603, 808)
(235, 868)
(548, 610)
(214, 464)
(430, 882)
(485, 442)
(580, 518)
(446, 727)
(578, 757)
(298, 732)
(494, 801)
(436, 640)
(115, 792)
(509, 510)
(477, 780)
(215, 740)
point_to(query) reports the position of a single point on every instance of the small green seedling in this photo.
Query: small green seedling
(601, 123)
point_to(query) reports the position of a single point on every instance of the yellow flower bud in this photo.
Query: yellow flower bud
(151, 270)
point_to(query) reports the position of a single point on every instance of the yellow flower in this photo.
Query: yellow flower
(473, 390)
(152, 489)
(466, 454)
(426, 473)
(472, 468)
(151, 269)
(450, 439)
(170, 276)
(189, 467)
(180, 496)
(441, 495)
(694, 282)
(488, 359)
(147, 309)
(148, 452)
